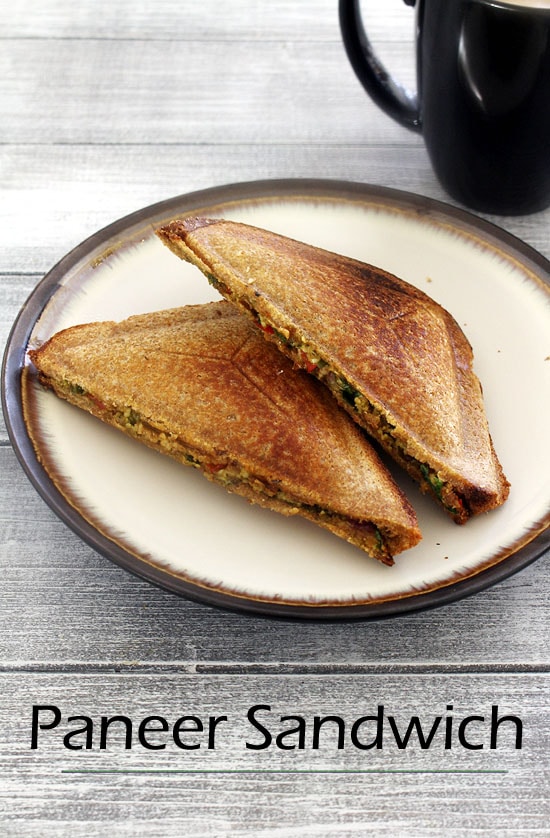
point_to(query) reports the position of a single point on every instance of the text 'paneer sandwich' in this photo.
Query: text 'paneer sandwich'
(394, 359)
(201, 384)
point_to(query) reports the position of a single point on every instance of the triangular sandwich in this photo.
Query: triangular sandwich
(200, 384)
(395, 359)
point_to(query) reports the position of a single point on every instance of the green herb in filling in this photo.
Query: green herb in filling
(349, 393)
(76, 389)
(213, 280)
(130, 416)
(435, 482)
(280, 337)
(437, 485)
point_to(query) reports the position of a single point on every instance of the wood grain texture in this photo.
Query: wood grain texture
(264, 801)
(107, 108)
(188, 92)
(286, 20)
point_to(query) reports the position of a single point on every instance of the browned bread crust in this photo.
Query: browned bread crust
(395, 359)
(200, 384)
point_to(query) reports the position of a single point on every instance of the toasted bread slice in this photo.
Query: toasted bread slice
(393, 358)
(200, 384)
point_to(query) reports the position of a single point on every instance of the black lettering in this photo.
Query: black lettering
(251, 716)
(496, 722)
(106, 722)
(378, 739)
(414, 723)
(88, 729)
(300, 729)
(319, 721)
(461, 732)
(449, 729)
(187, 724)
(146, 727)
(213, 722)
(36, 710)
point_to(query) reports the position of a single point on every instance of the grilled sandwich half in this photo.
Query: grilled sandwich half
(394, 359)
(201, 384)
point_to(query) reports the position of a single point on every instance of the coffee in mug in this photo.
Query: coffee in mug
(483, 96)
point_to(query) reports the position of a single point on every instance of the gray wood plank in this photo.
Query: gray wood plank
(37, 798)
(14, 290)
(105, 91)
(63, 605)
(183, 20)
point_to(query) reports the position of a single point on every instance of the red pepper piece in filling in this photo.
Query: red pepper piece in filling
(306, 362)
(98, 403)
(212, 468)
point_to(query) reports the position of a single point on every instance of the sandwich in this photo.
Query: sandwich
(395, 360)
(201, 385)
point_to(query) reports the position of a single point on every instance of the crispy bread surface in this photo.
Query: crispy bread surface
(395, 359)
(200, 384)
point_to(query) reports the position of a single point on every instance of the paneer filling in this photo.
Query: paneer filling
(371, 416)
(227, 473)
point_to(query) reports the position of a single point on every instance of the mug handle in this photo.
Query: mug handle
(398, 102)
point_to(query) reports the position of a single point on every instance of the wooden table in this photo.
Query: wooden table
(107, 107)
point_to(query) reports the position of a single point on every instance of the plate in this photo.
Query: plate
(169, 525)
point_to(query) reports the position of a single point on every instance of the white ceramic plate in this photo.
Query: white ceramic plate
(168, 524)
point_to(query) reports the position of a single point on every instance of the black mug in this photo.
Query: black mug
(483, 96)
